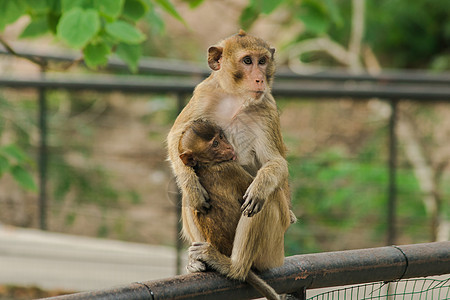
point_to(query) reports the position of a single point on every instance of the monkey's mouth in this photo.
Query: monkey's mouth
(232, 158)
(257, 94)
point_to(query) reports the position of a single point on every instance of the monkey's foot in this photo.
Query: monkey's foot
(195, 263)
(210, 257)
(195, 266)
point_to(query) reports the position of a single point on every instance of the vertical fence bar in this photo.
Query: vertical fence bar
(42, 155)
(392, 184)
(299, 295)
(179, 242)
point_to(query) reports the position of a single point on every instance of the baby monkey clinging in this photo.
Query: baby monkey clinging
(233, 243)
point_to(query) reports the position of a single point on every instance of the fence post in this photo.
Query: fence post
(42, 154)
(392, 184)
(299, 295)
(179, 242)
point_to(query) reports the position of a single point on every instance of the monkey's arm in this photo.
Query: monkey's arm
(187, 180)
(270, 176)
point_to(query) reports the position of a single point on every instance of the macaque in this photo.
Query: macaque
(237, 97)
(234, 243)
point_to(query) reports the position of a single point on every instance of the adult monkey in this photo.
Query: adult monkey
(237, 96)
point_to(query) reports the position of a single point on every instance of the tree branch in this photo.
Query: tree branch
(38, 61)
(357, 32)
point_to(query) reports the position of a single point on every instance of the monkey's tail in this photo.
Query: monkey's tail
(261, 286)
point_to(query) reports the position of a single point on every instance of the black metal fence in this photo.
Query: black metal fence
(180, 78)
(392, 87)
(299, 273)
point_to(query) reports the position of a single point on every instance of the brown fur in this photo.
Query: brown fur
(248, 115)
(247, 112)
(234, 243)
(249, 119)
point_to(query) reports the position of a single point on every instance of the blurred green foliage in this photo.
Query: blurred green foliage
(402, 33)
(96, 27)
(13, 160)
(410, 34)
(69, 135)
(336, 193)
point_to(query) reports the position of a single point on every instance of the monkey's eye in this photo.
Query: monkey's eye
(215, 144)
(262, 61)
(247, 60)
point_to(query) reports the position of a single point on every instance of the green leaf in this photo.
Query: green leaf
(155, 21)
(52, 21)
(96, 55)
(36, 28)
(248, 17)
(77, 26)
(194, 3)
(54, 6)
(333, 11)
(4, 165)
(313, 16)
(14, 152)
(129, 54)
(265, 6)
(170, 8)
(23, 178)
(124, 32)
(10, 11)
(134, 9)
(112, 9)
(38, 6)
(67, 5)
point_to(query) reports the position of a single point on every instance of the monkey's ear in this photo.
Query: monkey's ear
(272, 51)
(214, 55)
(188, 158)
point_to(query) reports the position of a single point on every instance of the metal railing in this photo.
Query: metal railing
(391, 87)
(299, 272)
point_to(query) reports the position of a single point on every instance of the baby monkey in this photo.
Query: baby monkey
(233, 242)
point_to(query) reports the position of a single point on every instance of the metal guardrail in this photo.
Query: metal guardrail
(298, 273)
(140, 84)
(184, 68)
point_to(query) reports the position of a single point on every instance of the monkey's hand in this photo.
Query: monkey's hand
(253, 203)
(198, 198)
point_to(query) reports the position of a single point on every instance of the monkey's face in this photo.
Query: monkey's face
(250, 72)
(245, 65)
(217, 150)
(204, 143)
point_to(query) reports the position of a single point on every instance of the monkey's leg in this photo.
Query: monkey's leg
(213, 258)
(259, 240)
(191, 233)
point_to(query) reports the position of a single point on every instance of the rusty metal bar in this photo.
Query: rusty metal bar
(298, 273)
